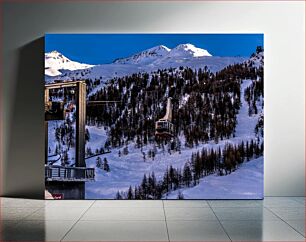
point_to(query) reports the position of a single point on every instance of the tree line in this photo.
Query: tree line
(201, 164)
(205, 104)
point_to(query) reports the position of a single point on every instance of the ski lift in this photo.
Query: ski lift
(164, 127)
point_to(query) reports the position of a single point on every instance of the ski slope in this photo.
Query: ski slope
(244, 183)
(129, 170)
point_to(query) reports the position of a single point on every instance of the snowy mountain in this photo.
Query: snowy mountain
(130, 156)
(187, 51)
(55, 62)
(145, 56)
(160, 52)
(257, 59)
(150, 60)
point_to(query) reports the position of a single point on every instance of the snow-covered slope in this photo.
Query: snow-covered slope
(129, 170)
(158, 57)
(145, 56)
(257, 59)
(106, 72)
(160, 52)
(55, 62)
(187, 51)
(244, 183)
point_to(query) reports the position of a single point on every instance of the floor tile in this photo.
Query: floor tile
(255, 213)
(281, 202)
(300, 200)
(21, 203)
(39, 230)
(11, 213)
(131, 213)
(235, 203)
(289, 213)
(298, 225)
(118, 231)
(128, 204)
(185, 204)
(196, 231)
(53, 213)
(189, 214)
(261, 231)
(6, 228)
(187, 220)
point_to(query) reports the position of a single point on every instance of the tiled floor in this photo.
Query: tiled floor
(274, 219)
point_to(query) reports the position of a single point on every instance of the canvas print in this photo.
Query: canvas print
(154, 116)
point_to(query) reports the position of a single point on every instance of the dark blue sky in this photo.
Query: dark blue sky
(104, 48)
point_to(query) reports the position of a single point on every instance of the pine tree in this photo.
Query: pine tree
(118, 196)
(144, 156)
(125, 150)
(98, 162)
(87, 135)
(180, 195)
(136, 193)
(89, 151)
(166, 180)
(187, 176)
(247, 151)
(105, 165)
(130, 193)
(144, 186)
(57, 150)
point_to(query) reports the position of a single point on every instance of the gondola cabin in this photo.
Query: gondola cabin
(164, 128)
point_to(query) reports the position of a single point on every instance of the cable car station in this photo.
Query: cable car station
(55, 111)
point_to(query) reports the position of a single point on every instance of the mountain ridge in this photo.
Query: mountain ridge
(159, 52)
(56, 61)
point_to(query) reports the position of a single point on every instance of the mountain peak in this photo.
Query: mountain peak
(56, 61)
(55, 55)
(161, 47)
(145, 55)
(160, 51)
(186, 45)
(54, 52)
(190, 50)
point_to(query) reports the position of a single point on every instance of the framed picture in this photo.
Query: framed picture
(154, 116)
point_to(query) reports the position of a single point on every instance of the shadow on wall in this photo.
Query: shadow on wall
(26, 142)
(25, 230)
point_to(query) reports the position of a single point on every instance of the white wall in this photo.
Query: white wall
(283, 24)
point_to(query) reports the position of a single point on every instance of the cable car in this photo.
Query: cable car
(164, 126)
